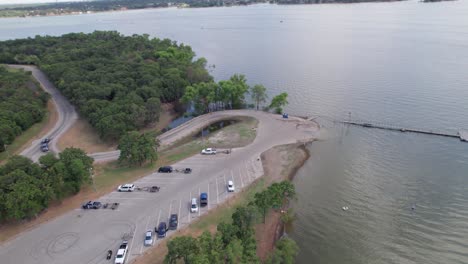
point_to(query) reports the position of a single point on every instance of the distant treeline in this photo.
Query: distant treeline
(22, 104)
(99, 6)
(26, 188)
(117, 82)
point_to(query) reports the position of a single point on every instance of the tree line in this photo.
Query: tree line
(117, 82)
(230, 94)
(235, 242)
(27, 188)
(22, 104)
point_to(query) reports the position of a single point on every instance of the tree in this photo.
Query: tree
(285, 252)
(48, 160)
(136, 148)
(258, 93)
(278, 102)
(263, 201)
(183, 247)
(243, 218)
(26, 197)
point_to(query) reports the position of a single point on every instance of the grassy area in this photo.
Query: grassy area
(22, 139)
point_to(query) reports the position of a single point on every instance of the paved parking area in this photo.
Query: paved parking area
(137, 212)
(84, 236)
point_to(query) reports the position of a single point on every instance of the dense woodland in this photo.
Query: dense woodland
(27, 188)
(117, 82)
(22, 104)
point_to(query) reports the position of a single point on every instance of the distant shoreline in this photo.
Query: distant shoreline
(4, 13)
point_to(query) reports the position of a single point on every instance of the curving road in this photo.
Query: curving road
(66, 114)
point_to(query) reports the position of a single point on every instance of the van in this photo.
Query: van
(194, 206)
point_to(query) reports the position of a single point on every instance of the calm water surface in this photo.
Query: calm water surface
(404, 63)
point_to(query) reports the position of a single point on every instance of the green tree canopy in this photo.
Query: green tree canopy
(136, 148)
(278, 102)
(258, 94)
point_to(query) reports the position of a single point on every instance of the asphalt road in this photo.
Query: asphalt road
(66, 114)
(84, 236)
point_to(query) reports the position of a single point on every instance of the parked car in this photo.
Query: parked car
(173, 222)
(203, 199)
(121, 253)
(92, 205)
(126, 188)
(165, 169)
(87, 205)
(230, 186)
(194, 205)
(149, 238)
(162, 229)
(208, 151)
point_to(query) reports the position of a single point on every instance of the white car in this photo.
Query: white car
(121, 253)
(208, 151)
(126, 188)
(149, 238)
(230, 186)
(194, 205)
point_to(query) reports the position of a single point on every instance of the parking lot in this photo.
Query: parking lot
(85, 236)
(95, 231)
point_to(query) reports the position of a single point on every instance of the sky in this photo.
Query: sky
(2, 2)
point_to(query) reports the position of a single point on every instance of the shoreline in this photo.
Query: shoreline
(77, 13)
(269, 233)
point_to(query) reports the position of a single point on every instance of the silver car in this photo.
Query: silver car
(149, 238)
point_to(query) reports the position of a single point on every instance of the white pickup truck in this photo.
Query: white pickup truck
(121, 253)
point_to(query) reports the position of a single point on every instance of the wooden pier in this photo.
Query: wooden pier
(462, 134)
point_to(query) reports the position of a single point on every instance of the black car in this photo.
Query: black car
(92, 205)
(173, 222)
(187, 170)
(45, 141)
(162, 229)
(166, 169)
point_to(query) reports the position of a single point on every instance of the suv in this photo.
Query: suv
(44, 147)
(203, 199)
(208, 151)
(126, 188)
(165, 169)
(173, 222)
(162, 228)
(92, 205)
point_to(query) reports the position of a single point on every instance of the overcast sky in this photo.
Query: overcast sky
(33, 1)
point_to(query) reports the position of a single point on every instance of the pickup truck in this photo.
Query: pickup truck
(121, 253)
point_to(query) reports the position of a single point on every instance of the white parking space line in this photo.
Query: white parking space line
(247, 171)
(199, 206)
(208, 192)
(159, 217)
(224, 175)
(147, 223)
(180, 205)
(190, 199)
(217, 192)
(170, 210)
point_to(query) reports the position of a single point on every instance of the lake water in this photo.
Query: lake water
(402, 63)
